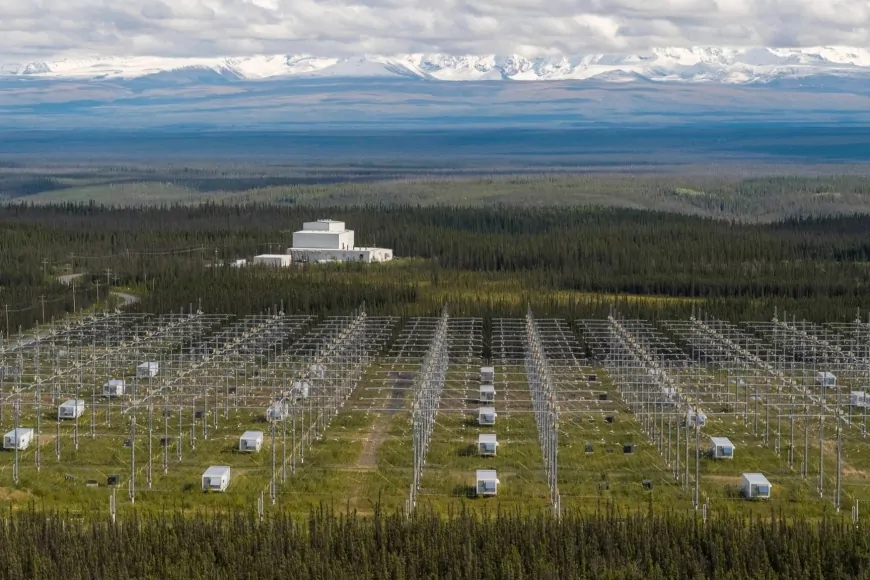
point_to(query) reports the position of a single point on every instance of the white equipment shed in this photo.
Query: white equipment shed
(487, 394)
(826, 379)
(694, 416)
(273, 260)
(487, 444)
(72, 409)
(487, 375)
(755, 485)
(19, 438)
(216, 478)
(276, 411)
(114, 388)
(147, 370)
(251, 441)
(722, 448)
(487, 482)
(858, 399)
(486, 416)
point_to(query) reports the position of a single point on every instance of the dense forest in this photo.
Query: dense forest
(569, 262)
(501, 546)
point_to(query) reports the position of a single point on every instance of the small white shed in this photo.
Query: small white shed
(72, 409)
(694, 416)
(487, 444)
(826, 379)
(487, 394)
(18, 438)
(216, 478)
(301, 388)
(276, 411)
(273, 260)
(755, 485)
(487, 482)
(486, 416)
(147, 370)
(722, 448)
(858, 399)
(251, 441)
(114, 388)
(487, 375)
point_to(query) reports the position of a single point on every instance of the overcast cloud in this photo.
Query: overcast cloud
(49, 28)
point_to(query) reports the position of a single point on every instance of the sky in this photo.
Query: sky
(35, 29)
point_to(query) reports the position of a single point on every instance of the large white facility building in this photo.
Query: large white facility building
(330, 240)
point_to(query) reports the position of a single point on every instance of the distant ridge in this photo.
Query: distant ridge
(681, 65)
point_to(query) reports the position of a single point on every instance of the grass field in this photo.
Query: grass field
(364, 456)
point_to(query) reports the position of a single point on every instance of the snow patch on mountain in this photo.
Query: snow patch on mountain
(686, 65)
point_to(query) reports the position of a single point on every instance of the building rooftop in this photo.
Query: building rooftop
(487, 474)
(721, 441)
(252, 434)
(756, 479)
(216, 471)
(486, 410)
(487, 438)
(487, 389)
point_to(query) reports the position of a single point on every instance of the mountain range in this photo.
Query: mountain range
(680, 65)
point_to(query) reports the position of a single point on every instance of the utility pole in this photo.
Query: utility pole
(97, 284)
(74, 295)
(44, 267)
(6, 307)
(108, 277)
(42, 301)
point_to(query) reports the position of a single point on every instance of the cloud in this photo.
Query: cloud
(31, 29)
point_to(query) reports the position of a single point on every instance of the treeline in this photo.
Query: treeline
(483, 261)
(502, 546)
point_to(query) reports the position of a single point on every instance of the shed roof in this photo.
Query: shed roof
(487, 369)
(487, 474)
(487, 438)
(721, 442)
(756, 479)
(19, 432)
(216, 471)
(487, 389)
(486, 411)
(72, 403)
(252, 435)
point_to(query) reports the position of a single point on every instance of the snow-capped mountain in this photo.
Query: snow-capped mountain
(687, 65)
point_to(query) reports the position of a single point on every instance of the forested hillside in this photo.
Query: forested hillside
(568, 261)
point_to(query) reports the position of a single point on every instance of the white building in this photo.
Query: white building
(487, 482)
(755, 486)
(147, 370)
(18, 438)
(330, 240)
(273, 260)
(722, 448)
(240, 263)
(487, 444)
(216, 478)
(858, 399)
(487, 394)
(695, 416)
(826, 379)
(72, 409)
(114, 388)
(301, 389)
(487, 375)
(251, 441)
(276, 411)
(486, 416)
